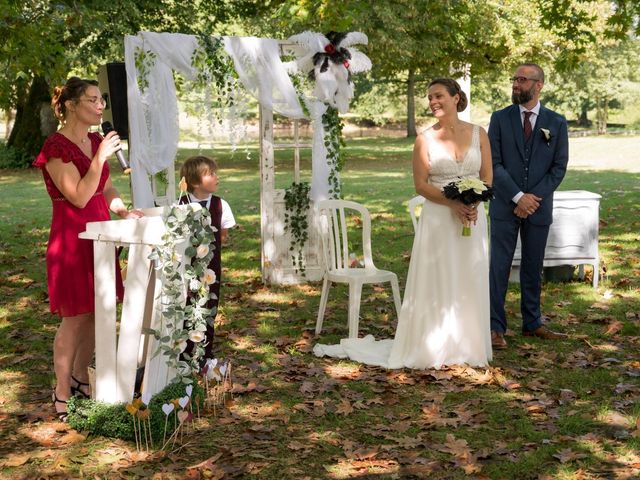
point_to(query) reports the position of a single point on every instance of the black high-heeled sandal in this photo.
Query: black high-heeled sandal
(62, 416)
(77, 391)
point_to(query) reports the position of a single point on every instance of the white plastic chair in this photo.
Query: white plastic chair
(414, 203)
(335, 245)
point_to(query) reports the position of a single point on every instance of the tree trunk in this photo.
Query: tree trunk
(411, 105)
(601, 114)
(8, 117)
(32, 122)
(583, 120)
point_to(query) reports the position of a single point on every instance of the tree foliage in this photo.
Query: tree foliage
(46, 40)
(605, 78)
(410, 42)
(586, 59)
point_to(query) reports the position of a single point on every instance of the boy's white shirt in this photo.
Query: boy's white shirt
(227, 221)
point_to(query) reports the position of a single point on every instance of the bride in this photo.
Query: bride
(444, 318)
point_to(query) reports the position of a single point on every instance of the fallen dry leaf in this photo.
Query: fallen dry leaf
(614, 327)
(72, 437)
(295, 445)
(16, 459)
(344, 407)
(567, 455)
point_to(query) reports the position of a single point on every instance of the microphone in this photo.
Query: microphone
(126, 169)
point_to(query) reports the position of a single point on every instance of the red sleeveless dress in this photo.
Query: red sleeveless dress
(69, 258)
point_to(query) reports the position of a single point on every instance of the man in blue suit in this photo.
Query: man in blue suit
(530, 150)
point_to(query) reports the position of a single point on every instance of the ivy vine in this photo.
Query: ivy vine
(162, 181)
(333, 141)
(300, 85)
(296, 203)
(144, 61)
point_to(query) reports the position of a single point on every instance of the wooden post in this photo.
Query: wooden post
(267, 192)
(104, 255)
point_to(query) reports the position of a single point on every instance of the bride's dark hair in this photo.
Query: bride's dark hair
(453, 88)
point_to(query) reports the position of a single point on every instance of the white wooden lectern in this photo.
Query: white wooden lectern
(119, 352)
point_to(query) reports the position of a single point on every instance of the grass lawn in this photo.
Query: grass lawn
(566, 410)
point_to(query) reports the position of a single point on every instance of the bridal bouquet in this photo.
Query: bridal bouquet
(468, 190)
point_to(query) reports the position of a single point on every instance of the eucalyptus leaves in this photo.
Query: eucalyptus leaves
(190, 224)
(296, 203)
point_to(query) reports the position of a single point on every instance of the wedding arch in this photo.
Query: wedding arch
(222, 66)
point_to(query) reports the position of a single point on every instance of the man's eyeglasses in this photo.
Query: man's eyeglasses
(522, 79)
(95, 101)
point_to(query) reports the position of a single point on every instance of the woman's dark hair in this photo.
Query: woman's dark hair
(454, 89)
(72, 90)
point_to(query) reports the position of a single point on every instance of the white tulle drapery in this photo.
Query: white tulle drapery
(153, 113)
(257, 62)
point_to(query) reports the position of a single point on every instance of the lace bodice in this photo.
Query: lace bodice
(443, 168)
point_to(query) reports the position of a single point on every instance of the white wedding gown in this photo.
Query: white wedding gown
(444, 318)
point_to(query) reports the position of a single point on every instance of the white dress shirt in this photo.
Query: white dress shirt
(228, 220)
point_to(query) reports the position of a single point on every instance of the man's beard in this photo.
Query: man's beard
(522, 97)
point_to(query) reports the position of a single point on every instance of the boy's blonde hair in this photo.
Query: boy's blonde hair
(194, 168)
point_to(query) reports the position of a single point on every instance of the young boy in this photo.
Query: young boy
(200, 174)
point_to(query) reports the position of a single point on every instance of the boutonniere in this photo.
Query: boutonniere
(546, 134)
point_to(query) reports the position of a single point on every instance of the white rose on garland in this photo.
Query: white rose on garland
(209, 276)
(202, 251)
(196, 336)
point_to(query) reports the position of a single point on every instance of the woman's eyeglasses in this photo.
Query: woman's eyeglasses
(522, 79)
(95, 101)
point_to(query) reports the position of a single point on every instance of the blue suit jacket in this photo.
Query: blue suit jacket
(512, 173)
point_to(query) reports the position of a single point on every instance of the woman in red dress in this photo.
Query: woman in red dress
(76, 174)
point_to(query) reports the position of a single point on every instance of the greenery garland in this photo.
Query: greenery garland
(182, 321)
(300, 84)
(333, 141)
(297, 195)
(215, 67)
(296, 203)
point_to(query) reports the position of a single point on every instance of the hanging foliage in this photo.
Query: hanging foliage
(296, 203)
(216, 92)
(215, 68)
(333, 141)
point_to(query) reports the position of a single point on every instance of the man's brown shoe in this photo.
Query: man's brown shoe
(544, 333)
(497, 341)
